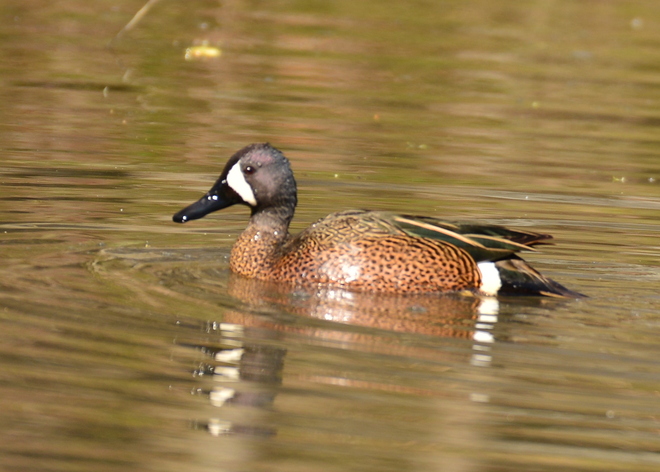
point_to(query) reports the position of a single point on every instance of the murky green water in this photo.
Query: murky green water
(125, 343)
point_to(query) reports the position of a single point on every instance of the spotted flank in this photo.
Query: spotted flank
(369, 251)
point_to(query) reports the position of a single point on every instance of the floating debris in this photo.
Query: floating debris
(202, 51)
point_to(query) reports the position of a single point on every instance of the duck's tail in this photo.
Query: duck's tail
(519, 278)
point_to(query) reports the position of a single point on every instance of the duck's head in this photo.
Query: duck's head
(258, 176)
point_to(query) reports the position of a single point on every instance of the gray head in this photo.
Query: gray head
(258, 176)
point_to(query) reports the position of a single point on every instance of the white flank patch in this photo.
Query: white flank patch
(236, 180)
(490, 278)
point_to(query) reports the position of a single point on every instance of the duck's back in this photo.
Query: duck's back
(368, 251)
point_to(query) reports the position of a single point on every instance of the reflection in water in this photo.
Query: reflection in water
(247, 368)
(252, 363)
(449, 315)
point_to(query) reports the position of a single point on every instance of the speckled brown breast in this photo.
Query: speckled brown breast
(256, 251)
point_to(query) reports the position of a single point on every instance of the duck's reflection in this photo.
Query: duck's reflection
(247, 368)
(451, 315)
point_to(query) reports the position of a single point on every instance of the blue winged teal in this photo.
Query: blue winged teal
(364, 250)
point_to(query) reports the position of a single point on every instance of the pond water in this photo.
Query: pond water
(126, 343)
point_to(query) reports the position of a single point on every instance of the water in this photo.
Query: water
(125, 341)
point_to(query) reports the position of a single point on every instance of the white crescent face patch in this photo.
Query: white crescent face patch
(236, 180)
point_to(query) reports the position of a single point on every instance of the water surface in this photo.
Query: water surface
(126, 343)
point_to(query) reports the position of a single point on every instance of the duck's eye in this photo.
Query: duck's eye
(249, 170)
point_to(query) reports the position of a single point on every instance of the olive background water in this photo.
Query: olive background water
(125, 343)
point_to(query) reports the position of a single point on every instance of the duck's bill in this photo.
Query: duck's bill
(212, 201)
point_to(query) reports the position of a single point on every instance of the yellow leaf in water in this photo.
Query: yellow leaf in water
(202, 52)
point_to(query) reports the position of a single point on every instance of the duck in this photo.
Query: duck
(364, 250)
